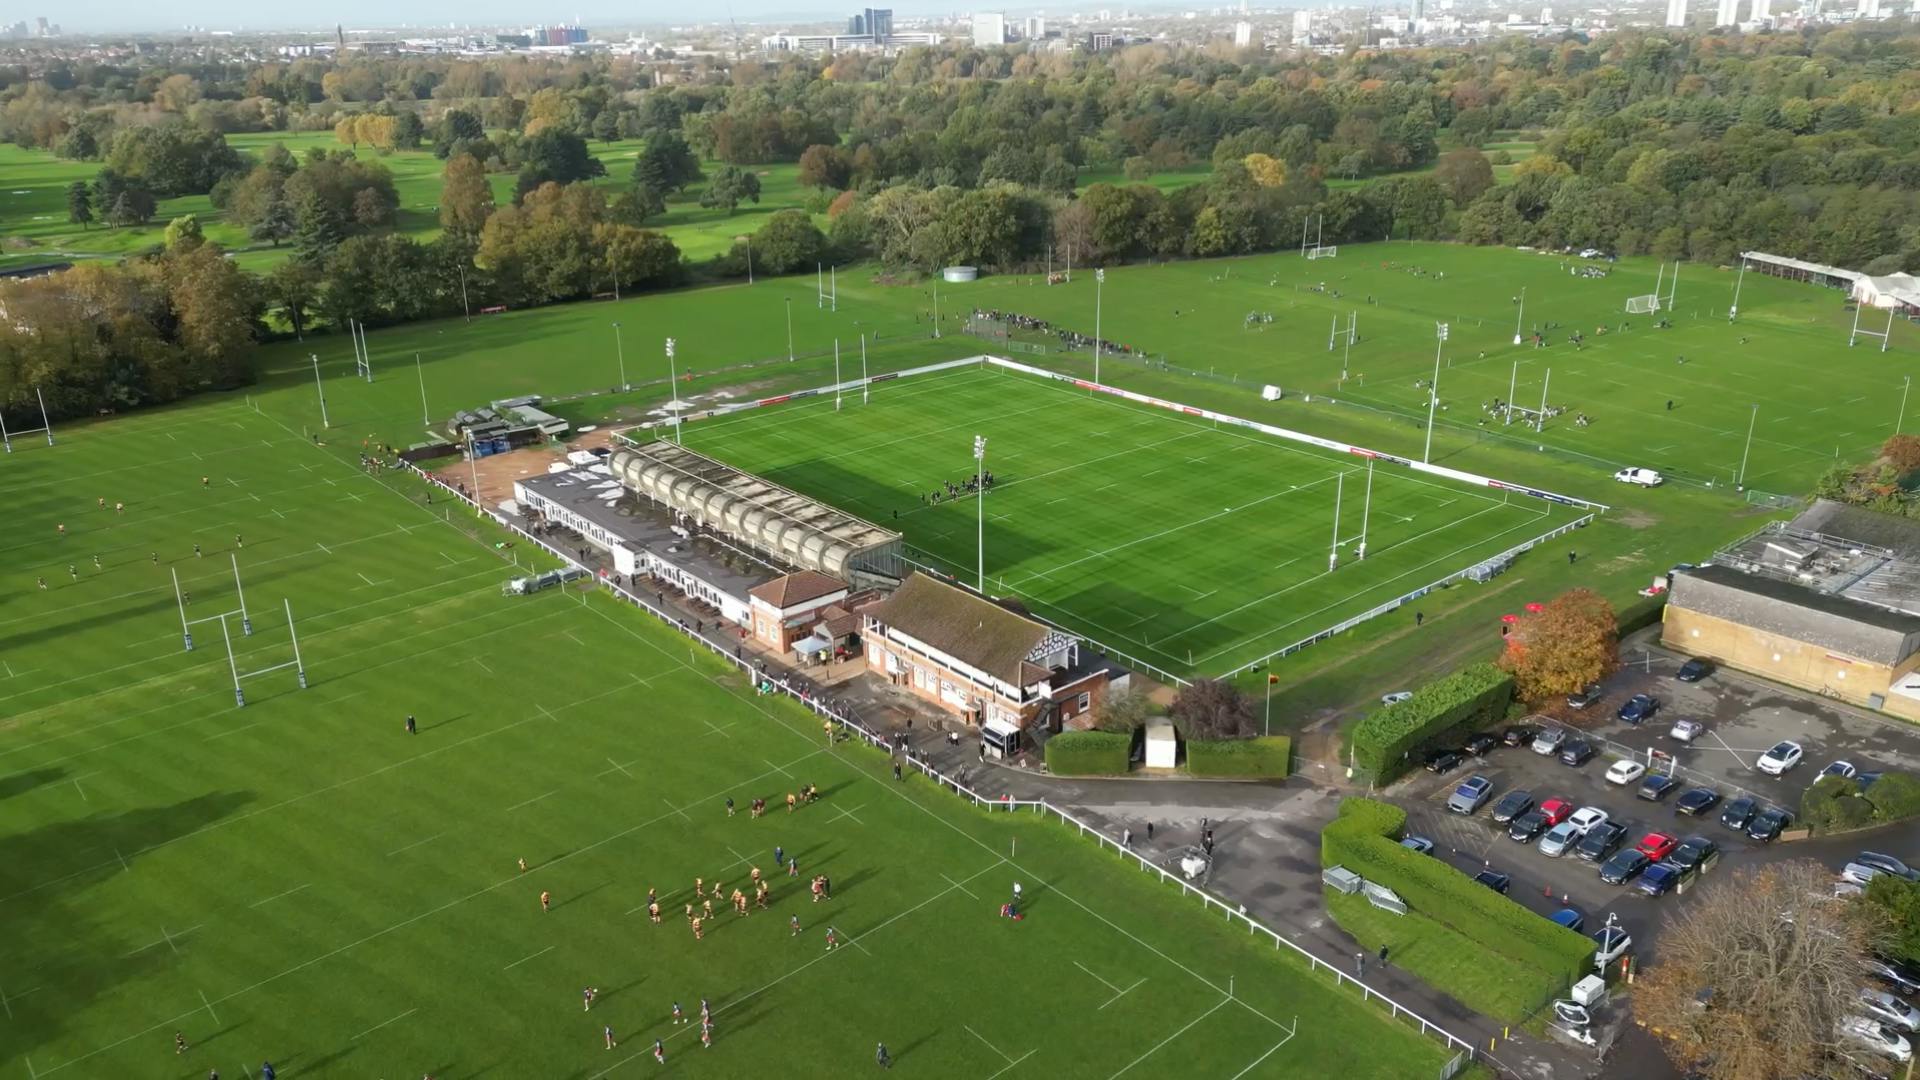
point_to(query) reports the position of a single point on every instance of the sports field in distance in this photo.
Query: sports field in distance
(1193, 547)
(301, 880)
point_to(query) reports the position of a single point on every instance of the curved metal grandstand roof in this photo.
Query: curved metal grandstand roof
(754, 511)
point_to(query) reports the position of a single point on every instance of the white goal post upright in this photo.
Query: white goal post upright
(826, 287)
(300, 668)
(1339, 489)
(362, 359)
(187, 625)
(1336, 336)
(1854, 336)
(1673, 284)
(46, 426)
(1649, 303)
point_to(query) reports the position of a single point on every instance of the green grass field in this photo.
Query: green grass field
(1193, 547)
(300, 880)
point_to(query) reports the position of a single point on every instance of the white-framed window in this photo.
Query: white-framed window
(1086, 701)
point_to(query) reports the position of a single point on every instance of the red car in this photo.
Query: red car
(1556, 810)
(1657, 846)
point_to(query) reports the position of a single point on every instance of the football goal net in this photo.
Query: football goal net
(1327, 251)
(1643, 305)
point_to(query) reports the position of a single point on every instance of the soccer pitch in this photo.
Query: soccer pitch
(302, 881)
(1195, 547)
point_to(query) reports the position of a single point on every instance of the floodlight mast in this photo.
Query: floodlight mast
(319, 389)
(1333, 550)
(1906, 384)
(1740, 483)
(1099, 282)
(1433, 388)
(980, 501)
(1520, 319)
(620, 353)
(789, 329)
(1366, 512)
(1734, 311)
(425, 416)
(673, 386)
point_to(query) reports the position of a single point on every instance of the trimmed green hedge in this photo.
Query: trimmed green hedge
(1270, 755)
(1895, 796)
(1088, 753)
(1365, 839)
(1386, 739)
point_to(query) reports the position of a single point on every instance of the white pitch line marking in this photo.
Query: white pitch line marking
(846, 813)
(123, 861)
(483, 666)
(1014, 1062)
(233, 731)
(1090, 971)
(209, 1005)
(777, 768)
(712, 730)
(1122, 993)
(4, 1002)
(321, 546)
(530, 802)
(1170, 1038)
(1263, 1057)
(738, 860)
(276, 896)
(677, 810)
(959, 886)
(81, 790)
(384, 1023)
(415, 844)
(524, 959)
(617, 767)
(990, 1046)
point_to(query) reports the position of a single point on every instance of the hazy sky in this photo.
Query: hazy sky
(102, 15)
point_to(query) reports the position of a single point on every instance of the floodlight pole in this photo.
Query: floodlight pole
(1433, 388)
(186, 631)
(1734, 311)
(789, 329)
(836, 374)
(749, 246)
(1520, 319)
(866, 385)
(1906, 384)
(620, 352)
(819, 286)
(425, 416)
(299, 668)
(1752, 419)
(936, 305)
(673, 383)
(1099, 284)
(466, 310)
(319, 389)
(246, 620)
(833, 287)
(1366, 512)
(980, 500)
(1339, 489)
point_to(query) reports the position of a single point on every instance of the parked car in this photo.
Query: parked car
(1877, 1037)
(1657, 786)
(1584, 819)
(1600, 841)
(1587, 695)
(1417, 843)
(1519, 734)
(1780, 757)
(1899, 977)
(1482, 744)
(1738, 814)
(1557, 810)
(1638, 708)
(1512, 805)
(1496, 881)
(1526, 827)
(1568, 918)
(1870, 864)
(1686, 730)
(1548, 742)
(1624, 866)
(1443, 760)
(1695, 852)
(1693, 670)
(1577, 751)
(1643, 477)
(1841, 769)
(1662, 878)
(1696, 801)
(1625, 771)
(1558, 839)
(1889, 1010)
(1471, 795)
(1610, 943)
(1768, 824)
(1396, 697)
(1658, 846)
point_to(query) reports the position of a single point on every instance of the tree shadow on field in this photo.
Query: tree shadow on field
(58, 940)
(575, 898)
(22, 782)
(318, 1067)
(1129, 619)
(852, 881)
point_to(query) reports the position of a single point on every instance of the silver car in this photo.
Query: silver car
(1559, 839)
(1548, 742)
(1889, 1010)
(1471, 795)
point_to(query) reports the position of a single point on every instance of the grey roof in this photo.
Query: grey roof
(1861, 526)
(1845, 626)
(970, 629)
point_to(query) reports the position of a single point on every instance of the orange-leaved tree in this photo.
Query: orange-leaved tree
(1571, 641)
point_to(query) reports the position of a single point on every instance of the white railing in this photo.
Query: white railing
(851, 727)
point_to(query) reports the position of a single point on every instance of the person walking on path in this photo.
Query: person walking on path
(1383, 955)
(1360, 963)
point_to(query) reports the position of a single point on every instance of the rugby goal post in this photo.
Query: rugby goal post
(1643, 305)
(1327, 251)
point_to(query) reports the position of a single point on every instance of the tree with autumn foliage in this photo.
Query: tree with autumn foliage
(1571, 641)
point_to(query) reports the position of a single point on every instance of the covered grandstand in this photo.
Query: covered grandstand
(1895, 292)
(761, 515)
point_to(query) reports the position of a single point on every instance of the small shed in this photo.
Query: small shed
(1162, 744)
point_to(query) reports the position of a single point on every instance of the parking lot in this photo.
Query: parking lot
(1741, 717)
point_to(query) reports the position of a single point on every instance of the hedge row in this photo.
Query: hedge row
(1365, 839)
(1088, 753)
(1386, 740)
(1270, 755)
(1837, 804)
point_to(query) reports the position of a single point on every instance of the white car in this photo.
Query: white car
(1584, 819)
(1877, 1037)
(1396, 697)
(1780, 757)
(1643, 477)
(1889, 1010)
(1686, 730)
(1625, 772)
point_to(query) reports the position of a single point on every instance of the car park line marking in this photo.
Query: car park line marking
(1744, 763)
